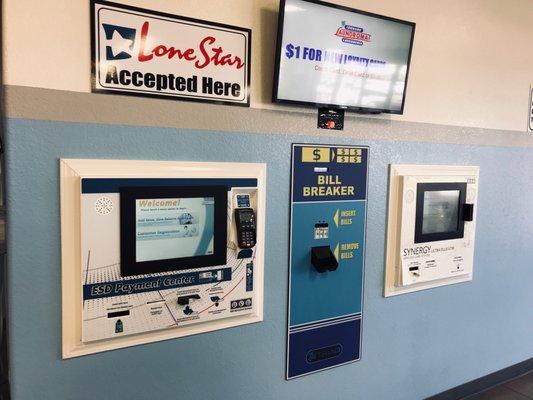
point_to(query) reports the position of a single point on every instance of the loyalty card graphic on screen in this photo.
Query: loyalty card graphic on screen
(169, 228)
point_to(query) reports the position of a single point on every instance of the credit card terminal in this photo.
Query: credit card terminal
(245, 221)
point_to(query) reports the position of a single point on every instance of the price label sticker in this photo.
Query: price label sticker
(316, 154)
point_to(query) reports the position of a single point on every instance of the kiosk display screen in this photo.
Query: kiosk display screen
(441, 211)
(174, 228)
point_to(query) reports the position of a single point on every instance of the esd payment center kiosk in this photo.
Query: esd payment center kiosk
(155, 250)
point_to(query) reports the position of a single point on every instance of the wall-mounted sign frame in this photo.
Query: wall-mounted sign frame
(140, 52)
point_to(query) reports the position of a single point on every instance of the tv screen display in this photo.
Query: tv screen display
(329, 55)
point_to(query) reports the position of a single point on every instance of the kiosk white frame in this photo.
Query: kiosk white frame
(71, 173)
(401, 222)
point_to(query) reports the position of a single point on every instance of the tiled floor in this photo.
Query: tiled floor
(519, 389)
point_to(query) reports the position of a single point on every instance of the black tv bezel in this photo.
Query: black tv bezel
(129, 266)
(424, 187)
(362, 110)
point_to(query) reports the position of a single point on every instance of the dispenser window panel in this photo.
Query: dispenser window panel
(439, 211)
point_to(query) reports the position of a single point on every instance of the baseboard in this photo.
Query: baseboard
(485, 382)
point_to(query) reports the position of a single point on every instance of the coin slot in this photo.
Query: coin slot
(116, 314)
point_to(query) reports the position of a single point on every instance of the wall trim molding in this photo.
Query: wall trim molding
(58, 105)
(485, 382)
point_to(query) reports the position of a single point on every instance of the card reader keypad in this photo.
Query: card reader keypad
(246, 233)
(247, 239)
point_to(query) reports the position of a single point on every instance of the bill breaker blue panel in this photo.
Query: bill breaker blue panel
(328, 208)
(317, 296)
(324, 347)
(353, 174)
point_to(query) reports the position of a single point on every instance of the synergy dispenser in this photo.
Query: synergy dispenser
(431, 226)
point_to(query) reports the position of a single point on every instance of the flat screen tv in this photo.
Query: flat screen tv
(338, 57)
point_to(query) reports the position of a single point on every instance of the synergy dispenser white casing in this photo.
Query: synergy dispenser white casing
(91, 220)
(413, 263)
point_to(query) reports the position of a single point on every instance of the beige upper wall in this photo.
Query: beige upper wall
(472, 61)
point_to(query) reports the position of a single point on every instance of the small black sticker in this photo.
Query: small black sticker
(329, 118)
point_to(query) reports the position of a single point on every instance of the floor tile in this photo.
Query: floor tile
(498, 393)
(523, 385)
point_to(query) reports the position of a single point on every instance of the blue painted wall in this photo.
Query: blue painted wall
(413, 345)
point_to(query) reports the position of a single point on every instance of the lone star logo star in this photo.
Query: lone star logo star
(118, 45)
(120, 41)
